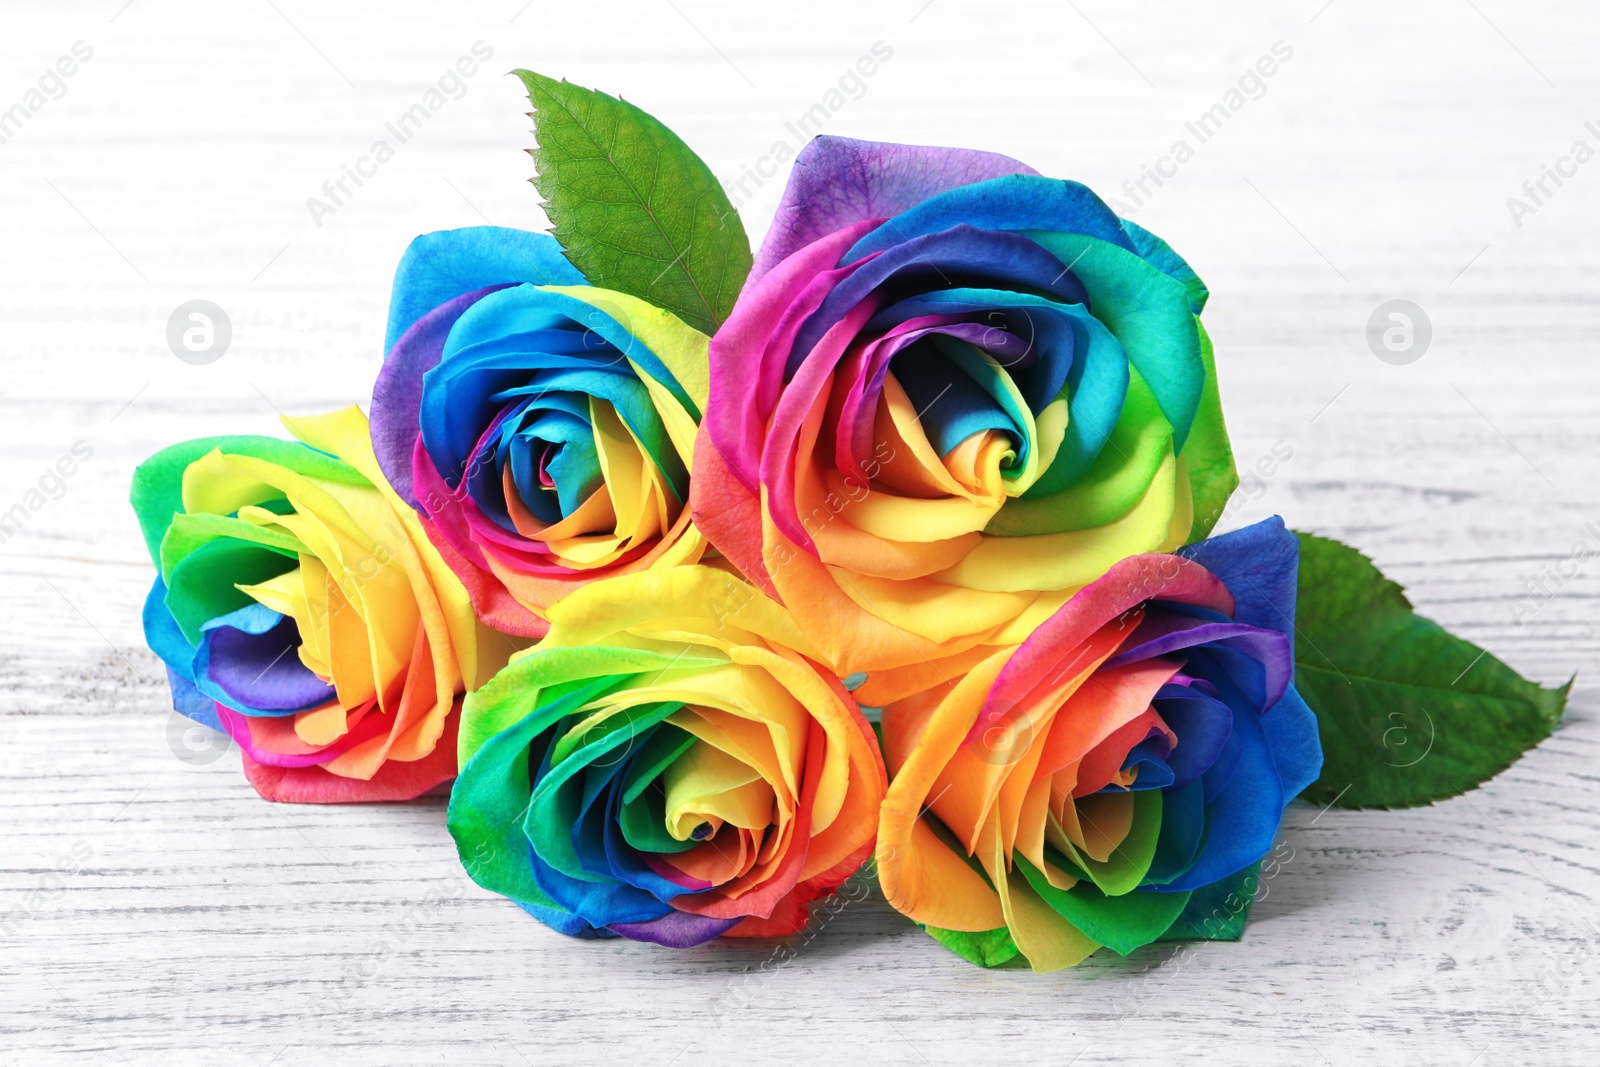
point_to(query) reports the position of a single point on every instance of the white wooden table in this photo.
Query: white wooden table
(154, 911)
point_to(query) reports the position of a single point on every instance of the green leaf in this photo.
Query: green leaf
(1408, 713)
(633, 207)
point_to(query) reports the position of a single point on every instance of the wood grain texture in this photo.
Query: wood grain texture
(154, 911)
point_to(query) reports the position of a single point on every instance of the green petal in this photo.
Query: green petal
(1130, 861)
(157, 491)
(554, 807)
(486, 805)
(1207, 454)
(535, 678)
(204, 584)
(188, 533)
(1122, 923)
(991, 948)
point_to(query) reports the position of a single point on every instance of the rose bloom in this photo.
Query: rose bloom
(669, 764)
(300, 609)
(543, 427)
(952, 392)
(1138, 748)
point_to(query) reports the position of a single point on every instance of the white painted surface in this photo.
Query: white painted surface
(158, 913)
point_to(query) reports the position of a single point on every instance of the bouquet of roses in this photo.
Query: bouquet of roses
(711, 578)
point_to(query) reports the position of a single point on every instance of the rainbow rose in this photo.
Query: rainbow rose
(301, 610)
(670, 764)
(544, 427)
(1134, 752)
(951, 392)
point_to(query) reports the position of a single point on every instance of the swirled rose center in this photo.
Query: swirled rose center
(1072, 781)
(970, 372)
(558, 443)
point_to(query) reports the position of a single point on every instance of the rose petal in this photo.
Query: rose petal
(840, 181)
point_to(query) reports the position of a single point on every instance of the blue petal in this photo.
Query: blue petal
(960, 257)
(437, 267)
(1153, 770)
(1260, 565)
(1203, 726)
(1243, 818)
(1291, 729)
(565, 922)
(951, 403)
(624, 859)
(597, 903)
(191, 703)
(263, 670)
(162, 634)
(1156, 252)
(1015, 202)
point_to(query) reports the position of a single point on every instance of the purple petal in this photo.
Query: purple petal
(1269, 648)
(839, 181)
(676, 929)
(263, 670)
(397, 395)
